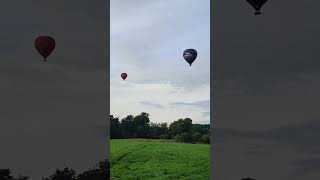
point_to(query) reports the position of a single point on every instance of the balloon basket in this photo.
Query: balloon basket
(257, 13)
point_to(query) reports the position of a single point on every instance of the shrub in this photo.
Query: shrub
(164, 136)
(196, 137)
(184, 137)
(205, 139)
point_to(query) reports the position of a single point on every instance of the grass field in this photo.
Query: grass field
(139, 159)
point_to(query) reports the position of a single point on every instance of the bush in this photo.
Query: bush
(178, 138)
(196, 137)
(164, 136)
(184, 137)
(205, 139)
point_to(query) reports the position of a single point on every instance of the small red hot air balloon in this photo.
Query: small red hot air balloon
(44, 45)
(124, 76)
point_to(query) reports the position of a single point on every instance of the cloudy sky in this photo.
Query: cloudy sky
(52, 114)
(267, 96)
(148, 38)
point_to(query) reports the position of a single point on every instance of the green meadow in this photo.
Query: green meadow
(143, 159)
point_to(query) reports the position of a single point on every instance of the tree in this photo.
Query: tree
(141, 125)
(115, 130)
(5, 174)
(20, 177)
(163, 130)
(153, 131)
(248, 178)
(196, 137)
(158, 130)
(184, 137)
(180, 126)
(127, 126)
(201, 128)
(100, 173)
(205, 139)
(65, 174)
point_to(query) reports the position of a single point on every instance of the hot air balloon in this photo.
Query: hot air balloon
(190, 55)
(124, 76)
(44, 45)
(257, 4)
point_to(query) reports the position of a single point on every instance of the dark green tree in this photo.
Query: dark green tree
(141, 125)
(180, 126)
(115, 129)
(196, 137)
(205, 139)
(127, 127)
(184, 137)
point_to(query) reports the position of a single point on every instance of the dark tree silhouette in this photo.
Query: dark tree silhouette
(248, 178)
(127, 127)
(22, 177)
(5, 174)
(140, 126)
(101, 172)
(65, 174)
(180, 126)
(115, 126)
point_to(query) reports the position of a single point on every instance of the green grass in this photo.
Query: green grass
(138, 159)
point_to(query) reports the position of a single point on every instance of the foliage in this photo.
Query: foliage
(181, 130)
(102, 172)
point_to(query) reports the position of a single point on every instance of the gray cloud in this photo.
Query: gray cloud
(200, 104)
(154, 105)
(306, 166)
(205, 114)
(147, 42)
(148, 45)
(204, 106)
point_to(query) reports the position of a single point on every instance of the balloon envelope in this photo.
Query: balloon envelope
(190, 55)
(257, 4)
(124, 76)
(44, 45)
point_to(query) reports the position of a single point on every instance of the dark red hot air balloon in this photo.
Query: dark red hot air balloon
(44, 45)
(124, 76)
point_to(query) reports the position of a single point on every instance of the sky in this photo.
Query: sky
(53, 114)
(267, 90)
(147, 40)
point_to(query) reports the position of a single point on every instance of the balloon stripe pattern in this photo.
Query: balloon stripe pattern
(190, 55)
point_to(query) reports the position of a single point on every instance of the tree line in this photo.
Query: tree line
(100, 172)
(181, 130)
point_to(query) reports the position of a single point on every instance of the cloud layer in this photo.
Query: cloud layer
(147, 42)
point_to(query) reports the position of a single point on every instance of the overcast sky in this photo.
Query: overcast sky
(52, 114)
(148, 38)
(267, 96)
